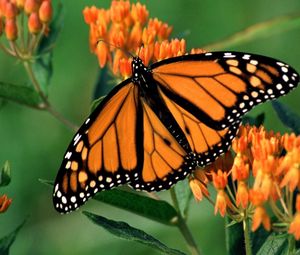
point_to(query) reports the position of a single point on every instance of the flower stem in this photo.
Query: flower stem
(44, 98)
(184, 229)
(247, 237)
(291, 244)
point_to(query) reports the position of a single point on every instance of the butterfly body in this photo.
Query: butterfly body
(154, 128)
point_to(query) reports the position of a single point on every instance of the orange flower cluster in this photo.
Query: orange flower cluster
(265, 170)
(126, 27)
(38, 13)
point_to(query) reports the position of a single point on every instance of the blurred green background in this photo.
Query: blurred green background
(34, 142)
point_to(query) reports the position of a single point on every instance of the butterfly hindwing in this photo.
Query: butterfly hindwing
(204, 141)
(165, 160)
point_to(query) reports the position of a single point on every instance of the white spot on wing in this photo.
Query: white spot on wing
(68, 155)
(246, 57)
(253, 62)
(285, 78)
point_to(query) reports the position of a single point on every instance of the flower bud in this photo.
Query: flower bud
(31, 6)
(10, 11)
(45, 11)
(34, 23)
(20, 3)
(3, 6)
(11, 29)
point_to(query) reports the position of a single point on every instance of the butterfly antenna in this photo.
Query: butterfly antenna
(116, 47)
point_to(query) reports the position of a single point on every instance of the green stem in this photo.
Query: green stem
(291, 244)
(184, 230)
(6, 50)
(48, 106)
(247, 236)
(35, 83)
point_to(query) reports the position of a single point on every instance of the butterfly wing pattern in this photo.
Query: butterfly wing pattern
(154, 128)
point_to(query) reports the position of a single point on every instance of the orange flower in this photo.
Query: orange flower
(199, 189)
(222, 202)
(256, 197)
(125, 67)
(102, 53)
(4, 203)
(242, 196)
(197, 51)
(219, 179)
(240, 168)
(292, 178)
(139, 13)
(127, 26)
(295, 224)
(119, 10)
(259, 217)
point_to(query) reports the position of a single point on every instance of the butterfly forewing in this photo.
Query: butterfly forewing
(105, 151)
(219, 87)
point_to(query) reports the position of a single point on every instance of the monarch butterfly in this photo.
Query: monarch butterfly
(154, 128)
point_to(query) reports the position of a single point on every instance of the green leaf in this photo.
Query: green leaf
(7, 241)
(183, 195)
(257, 31)
(20, 94)
(235, 244)
(5, 176)
(288, 117)
(254, 121)
(258, 238)
(125, 231)
(275, 244)
(150, 208)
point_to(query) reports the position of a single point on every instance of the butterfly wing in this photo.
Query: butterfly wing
(205, 141)
(165, 159)
(207, 94)
(105, 152)
(219, 87)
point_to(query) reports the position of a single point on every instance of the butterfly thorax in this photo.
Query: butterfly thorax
(141, 74)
